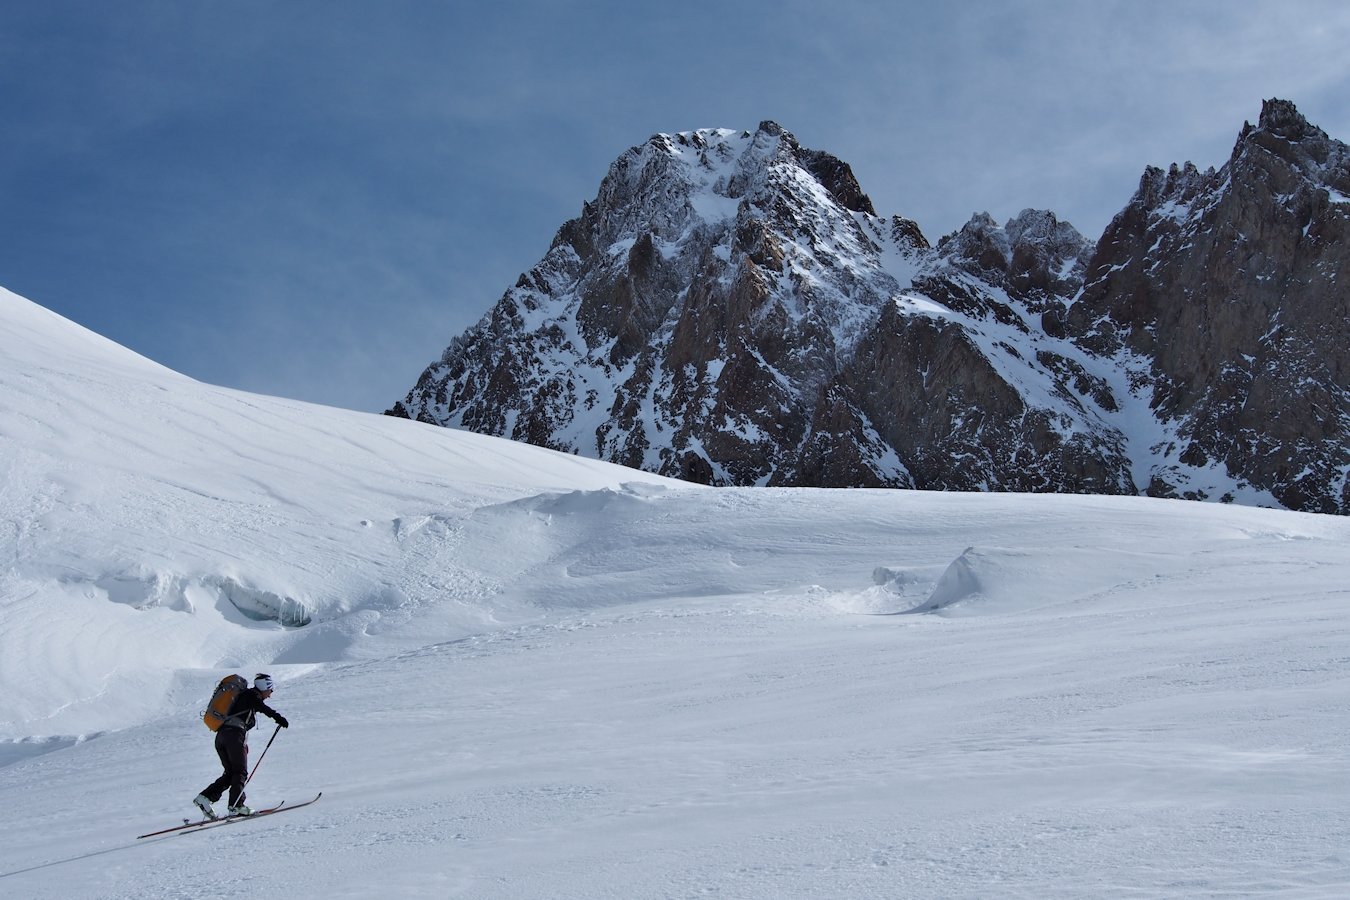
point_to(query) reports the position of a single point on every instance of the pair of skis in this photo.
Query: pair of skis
(205, 824)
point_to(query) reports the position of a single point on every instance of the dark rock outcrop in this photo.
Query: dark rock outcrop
(1218, 291)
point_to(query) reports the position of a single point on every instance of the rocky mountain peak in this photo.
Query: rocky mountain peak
(1041, 227)
(981, 246)
(1173, 188)
(1032, 256)
(729, 309)
(907, 237)
(1282, 119)
(1289, 154)
(1221, 289)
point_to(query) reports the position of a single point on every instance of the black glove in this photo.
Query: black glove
(281, 720)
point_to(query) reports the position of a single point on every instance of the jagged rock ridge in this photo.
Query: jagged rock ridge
(729, 309)
(1217, 292)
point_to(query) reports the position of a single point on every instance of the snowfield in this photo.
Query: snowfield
(521, 674)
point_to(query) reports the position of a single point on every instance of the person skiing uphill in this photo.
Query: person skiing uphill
(232, 746)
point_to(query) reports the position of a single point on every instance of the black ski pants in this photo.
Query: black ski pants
(232, 748)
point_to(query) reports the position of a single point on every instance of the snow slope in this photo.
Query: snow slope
(525, 674)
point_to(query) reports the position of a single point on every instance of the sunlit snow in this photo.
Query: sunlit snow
(527, 675)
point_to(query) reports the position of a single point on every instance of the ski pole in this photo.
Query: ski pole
(261, 755)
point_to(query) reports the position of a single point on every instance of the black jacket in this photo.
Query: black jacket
(244, 711)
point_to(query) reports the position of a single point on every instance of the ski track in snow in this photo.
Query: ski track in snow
(530, 675)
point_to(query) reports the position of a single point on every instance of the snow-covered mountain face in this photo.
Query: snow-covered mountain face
(730, 310)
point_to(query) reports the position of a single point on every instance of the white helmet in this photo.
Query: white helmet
(263, 682)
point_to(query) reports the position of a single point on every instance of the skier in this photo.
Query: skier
(232, 746)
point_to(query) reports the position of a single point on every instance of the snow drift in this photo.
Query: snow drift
(525, 674)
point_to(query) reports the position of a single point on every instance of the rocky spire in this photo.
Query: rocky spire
(1282, 119)
(1219, 291)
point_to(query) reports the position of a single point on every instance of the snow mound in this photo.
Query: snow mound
(573, 547)
(894, 590)
(874, 601)
(1002, 580)
(629, 496)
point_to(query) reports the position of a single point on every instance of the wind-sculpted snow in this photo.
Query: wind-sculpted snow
(533, 675)
(146, 513)
(1001, 580)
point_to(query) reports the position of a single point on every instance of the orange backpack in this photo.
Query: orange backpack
(218, 710)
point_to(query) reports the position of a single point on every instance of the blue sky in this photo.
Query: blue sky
(310, 199)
